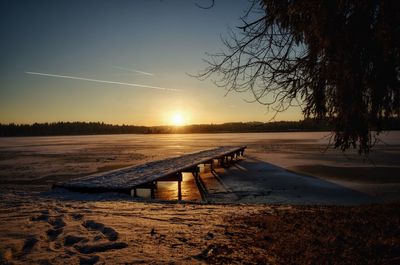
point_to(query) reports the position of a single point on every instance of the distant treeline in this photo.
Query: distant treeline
(90, 128)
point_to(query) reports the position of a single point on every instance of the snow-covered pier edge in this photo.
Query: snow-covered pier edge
(146, 176)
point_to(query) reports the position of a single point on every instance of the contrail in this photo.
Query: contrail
(101, 81)
(132, 70)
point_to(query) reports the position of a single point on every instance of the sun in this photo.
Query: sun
(177, 119)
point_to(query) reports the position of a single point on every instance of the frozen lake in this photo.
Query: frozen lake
(36, 163)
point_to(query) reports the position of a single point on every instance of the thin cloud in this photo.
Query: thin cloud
(101, 81)
(132, 70)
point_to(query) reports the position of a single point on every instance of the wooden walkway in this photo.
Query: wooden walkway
(128, 179)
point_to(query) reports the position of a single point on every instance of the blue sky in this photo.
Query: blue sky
(115, 41)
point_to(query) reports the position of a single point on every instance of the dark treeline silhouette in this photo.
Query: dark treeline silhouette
(67, 128)
(91, 128)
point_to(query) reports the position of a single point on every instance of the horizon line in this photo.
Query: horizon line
(123, 124)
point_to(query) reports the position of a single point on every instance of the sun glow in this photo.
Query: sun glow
(177, 119)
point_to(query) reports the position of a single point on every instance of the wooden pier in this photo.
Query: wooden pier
(145, 176)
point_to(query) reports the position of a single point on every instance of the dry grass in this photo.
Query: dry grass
(315, 235)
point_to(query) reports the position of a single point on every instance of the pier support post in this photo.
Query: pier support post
(196, 171)
(179, 190)
(226, 161)
(222, 161)
(152, 190)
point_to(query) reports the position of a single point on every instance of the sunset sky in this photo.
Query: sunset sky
(124, 61)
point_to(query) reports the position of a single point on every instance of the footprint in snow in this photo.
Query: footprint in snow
(109, 232)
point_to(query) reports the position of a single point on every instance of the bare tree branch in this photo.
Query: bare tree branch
(338, 60)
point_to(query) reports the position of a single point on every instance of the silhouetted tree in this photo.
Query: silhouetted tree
(338, 59)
